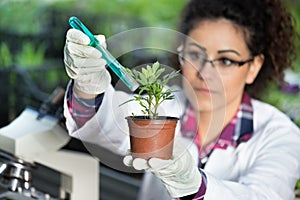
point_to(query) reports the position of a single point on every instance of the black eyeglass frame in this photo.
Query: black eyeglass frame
(204, 60)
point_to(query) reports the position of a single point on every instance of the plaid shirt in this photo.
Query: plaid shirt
(82, 109)
(239, 130)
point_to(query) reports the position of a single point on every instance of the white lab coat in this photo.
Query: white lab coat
(265, 167)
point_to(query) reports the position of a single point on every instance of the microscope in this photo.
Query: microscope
(31, 145)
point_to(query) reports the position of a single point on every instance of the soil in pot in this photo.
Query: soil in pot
(152, 138)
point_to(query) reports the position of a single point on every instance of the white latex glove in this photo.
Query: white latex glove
(180, 175)
(84, 63)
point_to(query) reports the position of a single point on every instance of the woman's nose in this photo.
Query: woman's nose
(206, 70)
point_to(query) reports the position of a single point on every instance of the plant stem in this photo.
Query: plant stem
(156, 106)
(150, 106)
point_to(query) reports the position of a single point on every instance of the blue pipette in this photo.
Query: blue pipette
(112, 62)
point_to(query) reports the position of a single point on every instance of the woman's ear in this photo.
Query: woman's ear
(254, 68)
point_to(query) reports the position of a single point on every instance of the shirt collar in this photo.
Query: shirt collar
(239, 130)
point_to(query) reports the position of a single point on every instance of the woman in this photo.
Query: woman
(246, 149)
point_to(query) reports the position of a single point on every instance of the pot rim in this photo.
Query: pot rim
(146, 118)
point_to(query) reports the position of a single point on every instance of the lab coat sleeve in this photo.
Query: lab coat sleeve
(107, 128)
(269, 163)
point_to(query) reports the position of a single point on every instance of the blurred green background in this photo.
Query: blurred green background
(33, 32)
(32, 36)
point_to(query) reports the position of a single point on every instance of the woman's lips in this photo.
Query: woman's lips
(204, 91)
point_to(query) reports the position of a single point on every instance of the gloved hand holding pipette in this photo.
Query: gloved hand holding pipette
(112, 62)
(84, 63)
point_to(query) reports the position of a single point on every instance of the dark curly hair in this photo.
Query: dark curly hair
(269, 26)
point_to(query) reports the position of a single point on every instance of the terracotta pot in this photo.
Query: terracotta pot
(152, 138)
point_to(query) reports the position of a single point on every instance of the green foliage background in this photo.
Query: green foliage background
(33, 32)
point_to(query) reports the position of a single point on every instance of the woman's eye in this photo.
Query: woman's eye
(193, 55)
(227, 62)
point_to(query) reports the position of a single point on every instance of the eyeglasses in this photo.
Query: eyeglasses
(223, 65)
